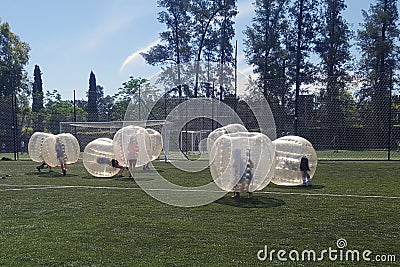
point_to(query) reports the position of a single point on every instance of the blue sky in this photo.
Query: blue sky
(68, 39)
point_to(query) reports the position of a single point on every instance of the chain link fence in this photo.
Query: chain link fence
(345, 118)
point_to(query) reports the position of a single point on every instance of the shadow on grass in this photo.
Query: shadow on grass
(130, 179)
(47, 174)
(256, 202)
(298, 187)
(158, 170)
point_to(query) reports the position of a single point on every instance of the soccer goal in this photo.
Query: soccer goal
(190, 141)
(86, 132)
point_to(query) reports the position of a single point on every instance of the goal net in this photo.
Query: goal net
(86, 132)
(190, 141)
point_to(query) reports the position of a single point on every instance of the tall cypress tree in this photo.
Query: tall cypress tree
(92, 99)
(37, 90)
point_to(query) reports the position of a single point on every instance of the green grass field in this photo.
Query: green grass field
(358, 155)
(111, 222)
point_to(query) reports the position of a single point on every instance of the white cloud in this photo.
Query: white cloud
(105, 30)
(135, 54)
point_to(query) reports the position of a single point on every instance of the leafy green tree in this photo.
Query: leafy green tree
(263, 46)
(58, 110)
(92, 108)
(212, 35)
(104, 104)
(174, 47)
(265, 51)
(378, 40)
(14, 56)
(192, 28)
(25, 116)
(333, 47)
(137, 92)
(304, 20)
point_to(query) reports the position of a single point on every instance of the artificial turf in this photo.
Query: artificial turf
(89, 221)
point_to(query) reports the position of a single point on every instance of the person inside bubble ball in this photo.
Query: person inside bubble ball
(305, 168)
(246, 173)
(60, 151)
(133, 149)
(43, 166)
(121, 168)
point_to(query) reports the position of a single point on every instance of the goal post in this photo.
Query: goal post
(189, 142)
(86, 132)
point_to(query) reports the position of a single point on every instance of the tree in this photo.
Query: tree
(212, 33)
(37, 101)
(192, 27)
(139, 93)
(304, 20)
(104, 104)
(37, 90)
(333, 47)
(265, 50)
(14, 55)
(263, 45)
(92, 108)
(378, 42)
(174, 47)
(58, 110)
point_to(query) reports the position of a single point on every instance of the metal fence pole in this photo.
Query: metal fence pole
(390, 114)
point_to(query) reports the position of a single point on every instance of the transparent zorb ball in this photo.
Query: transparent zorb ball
(60, 149)
(132, 143)
(156, 143)
(35, 146)
(289, 151)
(242, 161)
(97, 158)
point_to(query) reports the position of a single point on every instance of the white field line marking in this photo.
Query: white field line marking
(44, 187)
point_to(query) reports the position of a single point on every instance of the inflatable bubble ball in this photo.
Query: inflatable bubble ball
(35, 145)
(132, 144)
(289, 151)
(156, 143)
(242, 161)
(97, 158)
(60, 149)
(230, 128)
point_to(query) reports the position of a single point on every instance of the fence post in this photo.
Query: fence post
(390, 114)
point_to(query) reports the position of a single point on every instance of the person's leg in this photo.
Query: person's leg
(304, 177)
(132, 167)
(121, 171)
(64, 169)
(236, 194)
(309, 182)
(250, 195)
(41, 166)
